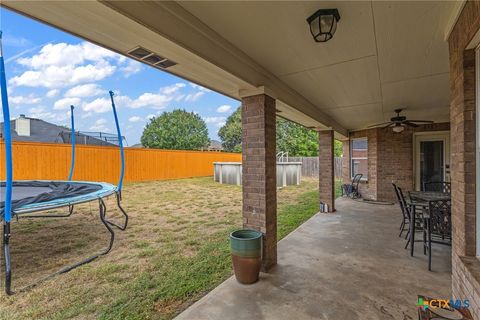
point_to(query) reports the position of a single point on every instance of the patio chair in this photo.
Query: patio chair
(352, 190)
(438, 226)
(437, 186)
(405, 212)
(410, 211)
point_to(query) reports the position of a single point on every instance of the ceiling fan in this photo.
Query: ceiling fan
(399, 122)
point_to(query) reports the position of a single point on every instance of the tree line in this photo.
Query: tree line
(183, 130)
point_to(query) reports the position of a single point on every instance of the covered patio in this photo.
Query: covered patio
(350, 265)
(416, 56)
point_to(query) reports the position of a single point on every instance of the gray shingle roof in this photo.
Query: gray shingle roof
(42, 131)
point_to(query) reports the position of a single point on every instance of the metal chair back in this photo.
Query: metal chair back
(403, 203)
(440, 218)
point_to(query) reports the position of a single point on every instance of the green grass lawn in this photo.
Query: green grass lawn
(175, 250)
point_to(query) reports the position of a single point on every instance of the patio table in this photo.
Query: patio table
(426, 196)
(421, 199)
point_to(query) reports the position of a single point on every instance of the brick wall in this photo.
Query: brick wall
(259, 172)
(368, 188)
(326, 168)
(466, 267)
(390, 159)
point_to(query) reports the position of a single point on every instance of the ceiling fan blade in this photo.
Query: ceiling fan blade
(411, 124)
(420, 121)
(379, 124)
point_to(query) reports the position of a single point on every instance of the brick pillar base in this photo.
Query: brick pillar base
(326, 169)
(259, 172)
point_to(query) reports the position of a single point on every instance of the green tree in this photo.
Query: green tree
(295, 139)
(231, 132)
(179, 129)
(338, 148)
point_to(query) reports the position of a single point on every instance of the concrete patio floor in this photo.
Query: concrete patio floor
(346, 265)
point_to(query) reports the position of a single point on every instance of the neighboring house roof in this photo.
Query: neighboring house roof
(43, 131)
(215, 145)
(136, 145)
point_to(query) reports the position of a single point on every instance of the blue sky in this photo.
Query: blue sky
(48, 70)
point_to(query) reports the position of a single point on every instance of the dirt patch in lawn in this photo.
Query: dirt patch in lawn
(174, 251)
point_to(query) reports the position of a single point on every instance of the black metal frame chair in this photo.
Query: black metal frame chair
(404, 225)
(438, 226)
(412, 215)
(438, 186)
(352, 190)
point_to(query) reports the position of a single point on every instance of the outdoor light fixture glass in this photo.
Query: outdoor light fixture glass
(398, 128)
(323, 24)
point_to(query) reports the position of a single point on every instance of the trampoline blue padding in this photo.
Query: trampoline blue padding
(37, 195)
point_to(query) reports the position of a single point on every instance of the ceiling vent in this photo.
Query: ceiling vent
(148, 57)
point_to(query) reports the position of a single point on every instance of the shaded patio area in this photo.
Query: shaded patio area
(346, 265)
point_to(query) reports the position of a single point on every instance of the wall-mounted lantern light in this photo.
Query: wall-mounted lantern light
(323, 24)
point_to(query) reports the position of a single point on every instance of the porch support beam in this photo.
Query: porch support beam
(326, 169)
(259, 172)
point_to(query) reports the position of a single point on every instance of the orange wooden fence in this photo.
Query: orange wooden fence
(52, 162)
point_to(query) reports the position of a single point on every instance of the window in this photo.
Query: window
(359, 157)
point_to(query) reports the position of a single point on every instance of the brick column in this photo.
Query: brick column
(326, 169)
(259, 172)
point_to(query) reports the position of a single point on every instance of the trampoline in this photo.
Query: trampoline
(26, 198)
(33, 196)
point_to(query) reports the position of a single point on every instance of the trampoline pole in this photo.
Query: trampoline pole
(122, 170)
(72, 164)
(120, 144)
(7, 209)
(8, 140)
(6, 254)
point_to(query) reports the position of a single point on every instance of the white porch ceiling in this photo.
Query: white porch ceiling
(384, 55)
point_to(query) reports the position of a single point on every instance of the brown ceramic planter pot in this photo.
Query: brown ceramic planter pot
(246, 246)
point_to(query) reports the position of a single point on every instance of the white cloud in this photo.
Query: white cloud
(65, 103)
(218, 121)
(58, 77)
(99, 125)
(41, 113)
(199, 87)
(52, 93)
(19, 100)
(135, 119)
(150, 116)
(131, 68)
(168, 90)
(99, 105)
(63, 54)
(85, 115)
(61, 65)
(84, 90)
(192, 97)
(225, 108)
(156, 101)
(14, 41)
